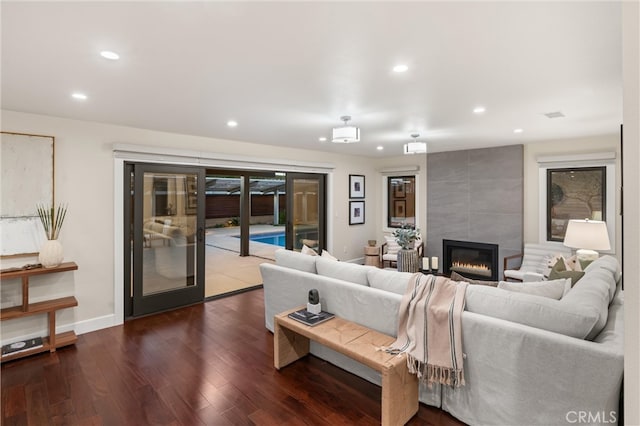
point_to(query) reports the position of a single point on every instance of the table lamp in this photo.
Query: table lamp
(587, 236)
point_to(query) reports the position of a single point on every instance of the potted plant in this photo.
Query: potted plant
(408, 259)
(52, 218)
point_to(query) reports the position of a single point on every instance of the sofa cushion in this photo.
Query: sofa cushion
(554, 289)
(535, 311)
(343, 270)
(581, 313)
(295, 260)
(611, 265)
(393, 281)
(593, 293)
(457, 277)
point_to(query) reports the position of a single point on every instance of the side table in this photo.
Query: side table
(372, 256)
(399, 402)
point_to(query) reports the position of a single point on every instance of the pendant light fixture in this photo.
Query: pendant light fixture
(346, 133)
(415, 147)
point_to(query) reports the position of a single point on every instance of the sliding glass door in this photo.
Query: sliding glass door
(167, 237)
(306, 211)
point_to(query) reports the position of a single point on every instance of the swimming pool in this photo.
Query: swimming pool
(273, 238)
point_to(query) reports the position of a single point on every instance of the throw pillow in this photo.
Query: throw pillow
(559, 271)
(553, 262)
(573, 275)
(553, 289)
(308, 250)
(559, 265)
(573, 263)
(392, 245)
(457, 277)
(328, 255)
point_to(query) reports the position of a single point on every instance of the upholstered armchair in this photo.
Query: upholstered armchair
(390, 248)
(534, 262)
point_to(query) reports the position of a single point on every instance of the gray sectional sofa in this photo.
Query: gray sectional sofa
(530, 360)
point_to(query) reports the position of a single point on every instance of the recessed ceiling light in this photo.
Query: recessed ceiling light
(479, 110)
(79, 96)
(322, 139)
(518, 130)
(232, 123)
(107, 54)
(400, 68)
(380, 148)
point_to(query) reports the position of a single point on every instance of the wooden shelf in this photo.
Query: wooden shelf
(62, 339)
(38, 308)
(63, 267)
(49, 307)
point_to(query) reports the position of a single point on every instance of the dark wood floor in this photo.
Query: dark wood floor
(210, 364)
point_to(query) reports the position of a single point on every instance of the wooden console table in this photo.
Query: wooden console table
(49, 307)
(399, 387)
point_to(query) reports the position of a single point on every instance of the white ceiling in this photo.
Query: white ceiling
(287, 71)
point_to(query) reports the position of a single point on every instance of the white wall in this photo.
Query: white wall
(631, 95)
(84, 177)
(594, 144)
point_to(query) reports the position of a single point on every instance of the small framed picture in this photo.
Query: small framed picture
(356, 186)
(400, 208)
(398, 190)
(192, 195)
(356, 212)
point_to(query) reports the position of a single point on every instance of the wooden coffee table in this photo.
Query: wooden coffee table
(399, 387)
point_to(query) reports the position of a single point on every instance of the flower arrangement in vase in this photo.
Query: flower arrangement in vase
(408, 260)
(52, 218)
(406, 236)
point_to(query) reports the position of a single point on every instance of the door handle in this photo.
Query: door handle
(200, 234)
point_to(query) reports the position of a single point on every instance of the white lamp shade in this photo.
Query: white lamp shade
(415, 148)
(346, 134)
(587, 234)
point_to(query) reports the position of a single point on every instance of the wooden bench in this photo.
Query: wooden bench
(399, 387)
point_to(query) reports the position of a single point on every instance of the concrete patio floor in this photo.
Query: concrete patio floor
(225, 269)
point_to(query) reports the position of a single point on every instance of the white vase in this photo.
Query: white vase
(51, 254)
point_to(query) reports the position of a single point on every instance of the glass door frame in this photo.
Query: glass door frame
(245, 199)
(322, 209)
(133, 214)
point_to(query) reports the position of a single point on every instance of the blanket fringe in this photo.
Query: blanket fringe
(430, 373)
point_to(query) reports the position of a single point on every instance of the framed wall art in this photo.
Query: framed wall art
(400, 208)
(27, 180)
(398, 188)
(356, 186)
(356, 212)
(192, 195)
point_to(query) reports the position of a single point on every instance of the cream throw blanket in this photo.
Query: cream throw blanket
(430, 329)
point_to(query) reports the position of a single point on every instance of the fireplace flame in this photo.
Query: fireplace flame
(478, 269)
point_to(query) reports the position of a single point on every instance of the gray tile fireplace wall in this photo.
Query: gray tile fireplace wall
(476, 195)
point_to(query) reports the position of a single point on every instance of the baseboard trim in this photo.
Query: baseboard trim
(81, 327)
(94, 324)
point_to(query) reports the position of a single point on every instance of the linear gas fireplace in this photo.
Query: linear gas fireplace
(473, 260)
